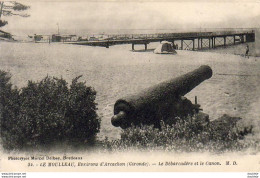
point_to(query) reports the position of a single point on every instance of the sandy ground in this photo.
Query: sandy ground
(234, 88)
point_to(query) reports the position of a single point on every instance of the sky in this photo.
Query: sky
(82, 17)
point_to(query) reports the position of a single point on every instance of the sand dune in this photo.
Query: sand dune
(115, 72)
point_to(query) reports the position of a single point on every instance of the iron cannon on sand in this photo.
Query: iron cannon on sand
(160, 101)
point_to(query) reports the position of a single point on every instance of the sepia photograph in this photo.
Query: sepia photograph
(129, 86)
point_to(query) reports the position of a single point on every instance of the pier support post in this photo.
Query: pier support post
(225, 40)
(133, 46)
(242, 39)
(181, 44)
(214, 42)
(201, 41)
(193, 43)
(198, 43)
(209, 42)
(234, 39)
(250, 37)
(173, 45)
(145, 46)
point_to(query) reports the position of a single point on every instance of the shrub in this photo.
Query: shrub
(9, 108)
(46, 112)
(185, 136)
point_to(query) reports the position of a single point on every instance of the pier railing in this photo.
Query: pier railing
(184, 40)
(169, 35)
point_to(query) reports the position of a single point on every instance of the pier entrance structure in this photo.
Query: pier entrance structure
(188, 41)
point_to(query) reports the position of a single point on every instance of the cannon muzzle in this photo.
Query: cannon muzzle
(152, 104)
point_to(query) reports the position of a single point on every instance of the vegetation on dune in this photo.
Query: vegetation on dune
(46, 112)
(187, 135)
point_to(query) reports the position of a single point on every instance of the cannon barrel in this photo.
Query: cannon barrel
(144, 107)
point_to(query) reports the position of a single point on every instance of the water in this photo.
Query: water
(116, 72)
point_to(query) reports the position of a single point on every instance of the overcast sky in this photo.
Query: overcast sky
(83, 16)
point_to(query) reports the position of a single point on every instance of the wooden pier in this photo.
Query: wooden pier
(188, 41)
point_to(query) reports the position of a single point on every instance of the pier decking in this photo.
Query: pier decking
(191, 40)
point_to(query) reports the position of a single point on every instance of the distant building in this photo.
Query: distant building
(68, 38)
(92, 38)
(37, 37)
(56, 38)
(103, 37)
(82, 38)
(63, 38)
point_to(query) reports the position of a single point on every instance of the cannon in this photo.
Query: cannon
(163, 100)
